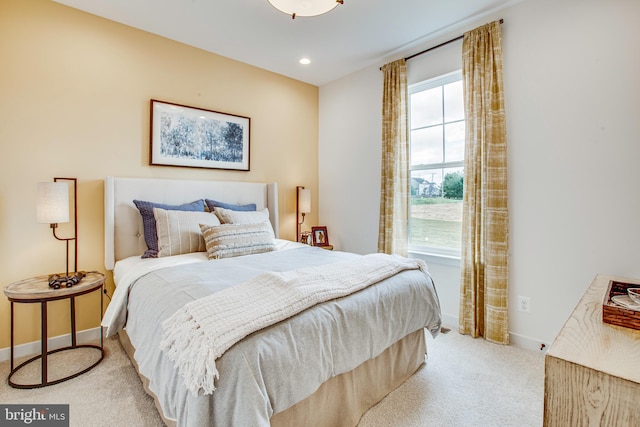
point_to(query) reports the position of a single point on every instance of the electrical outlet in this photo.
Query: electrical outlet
(524, 304)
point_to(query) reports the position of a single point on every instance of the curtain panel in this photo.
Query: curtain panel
(394, 192)
(485, 221)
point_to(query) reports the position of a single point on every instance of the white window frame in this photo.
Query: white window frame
(434, 253)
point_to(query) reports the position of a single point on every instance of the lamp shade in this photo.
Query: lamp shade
(304, 7)
(53, 202)
(304, 200)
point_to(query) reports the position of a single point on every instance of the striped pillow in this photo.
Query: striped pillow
(231, 240)
(228, 216)
(179, 231)
(149, 221)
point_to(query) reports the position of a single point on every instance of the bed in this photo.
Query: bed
(322, 363)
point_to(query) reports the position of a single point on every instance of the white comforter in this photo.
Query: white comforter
(128, 270)
(278, 366)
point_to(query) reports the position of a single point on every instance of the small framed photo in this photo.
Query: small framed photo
(320, 236)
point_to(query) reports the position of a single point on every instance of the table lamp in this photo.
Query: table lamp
(53, 208)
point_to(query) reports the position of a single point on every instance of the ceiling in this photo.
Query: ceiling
(352, 36)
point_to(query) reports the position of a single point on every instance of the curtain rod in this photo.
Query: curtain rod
(440, 45)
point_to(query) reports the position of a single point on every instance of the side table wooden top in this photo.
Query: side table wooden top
(38, 289)
(586, 340)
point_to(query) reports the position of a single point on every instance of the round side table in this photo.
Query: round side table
(37, 290)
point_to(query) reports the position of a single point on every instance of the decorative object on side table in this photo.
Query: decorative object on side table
(37, 290)
(53, 208)
(198, 138)
(306, 238)
(618, 308)
(634, 294)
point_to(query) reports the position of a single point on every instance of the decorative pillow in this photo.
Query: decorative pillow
(179, 231)
(213, 204)
(230, 240)
(149, 221)
(228, 216)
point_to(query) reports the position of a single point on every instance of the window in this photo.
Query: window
(437, 131)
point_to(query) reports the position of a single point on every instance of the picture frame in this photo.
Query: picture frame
(320, 236)
(194, 137)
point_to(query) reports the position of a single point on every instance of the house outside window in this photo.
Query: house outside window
(437, 136)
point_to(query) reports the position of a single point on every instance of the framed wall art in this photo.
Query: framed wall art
(194, 137)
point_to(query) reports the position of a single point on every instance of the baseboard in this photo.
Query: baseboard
(60, 341)
(516, 340)
(450, 322)
(527, 343)
(53, 343)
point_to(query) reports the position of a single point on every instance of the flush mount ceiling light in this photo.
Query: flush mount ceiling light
(305, 7)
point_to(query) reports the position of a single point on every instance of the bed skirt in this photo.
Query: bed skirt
(343, 399)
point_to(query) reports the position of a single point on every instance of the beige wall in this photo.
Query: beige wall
(74, 102)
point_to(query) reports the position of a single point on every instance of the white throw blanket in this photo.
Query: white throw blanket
(200, 332)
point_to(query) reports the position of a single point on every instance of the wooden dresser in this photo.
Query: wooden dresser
(592, 369)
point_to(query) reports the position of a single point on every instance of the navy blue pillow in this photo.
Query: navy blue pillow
(149, 221)
(212, 204)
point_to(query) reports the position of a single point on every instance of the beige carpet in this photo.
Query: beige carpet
(466, 382)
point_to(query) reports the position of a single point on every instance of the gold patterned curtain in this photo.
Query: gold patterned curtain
(485, 220)
(394, 191)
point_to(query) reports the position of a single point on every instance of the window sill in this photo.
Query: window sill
(434, 258)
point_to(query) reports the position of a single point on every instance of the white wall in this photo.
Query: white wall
(349, 160)
(573, 119)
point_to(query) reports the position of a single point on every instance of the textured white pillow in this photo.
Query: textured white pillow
(228, 216)
(231, 240)
(179, 231)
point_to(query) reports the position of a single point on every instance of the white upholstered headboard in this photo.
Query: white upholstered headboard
(123, 231)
